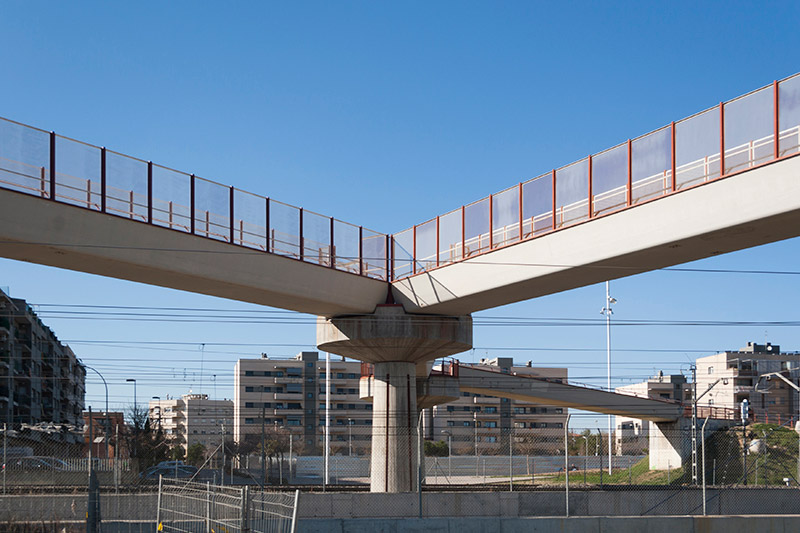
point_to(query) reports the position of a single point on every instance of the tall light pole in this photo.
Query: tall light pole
(349, 437)
(607, 311)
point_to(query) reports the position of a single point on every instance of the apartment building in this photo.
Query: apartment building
(480, 424)
(631, 434)
(41, 379)
(289, 395)
(193, 419)
(729, 377)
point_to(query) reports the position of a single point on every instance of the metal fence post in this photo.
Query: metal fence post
(158, 505)
(245, 525)
(294, 511)
(566, 465)
(5, 451)
(703, 445)
(208, 507)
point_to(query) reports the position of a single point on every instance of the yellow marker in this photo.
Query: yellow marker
(160, 526)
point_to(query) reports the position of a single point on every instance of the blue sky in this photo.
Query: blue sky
(385, 115)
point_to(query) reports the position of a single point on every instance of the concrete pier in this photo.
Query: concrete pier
(400, 346)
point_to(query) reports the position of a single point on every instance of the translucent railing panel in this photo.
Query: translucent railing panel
(789, 116)
(403, 253)
(78, 173)
(697, 149)
(610, 180)
(24, 159)
(317, 246)
(374, 246)
(749, 130)
(172, 199)
(651, 163)
(572, 193)
(450, 237)
(346, 246)
(249, 220)
(426, 246)
(212, 210)
(126, 186)
(476, 228)
(505, 217)
(537, 206)
(284, 229)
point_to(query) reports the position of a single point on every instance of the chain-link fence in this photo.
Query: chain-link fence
(652, 472)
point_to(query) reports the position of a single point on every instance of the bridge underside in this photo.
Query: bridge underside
(755, 207)
(71, 237)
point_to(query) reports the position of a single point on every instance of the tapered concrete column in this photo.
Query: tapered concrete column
(399, 345)
(394, 428)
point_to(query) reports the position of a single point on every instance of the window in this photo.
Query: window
(490, 424)
(293, 422)
(491, 439)
(519, 425)
(310, 395)
(351, 376)
(450, 423)
(711, 370)
(339, 375)
(490, 410)
(465, 394)
(543, 410)
(294, 372)
(294, 388)
(543, 425)
(559, 425)
(340, 422)
(309, 365)
(249, 421)
(559, 410)
(467, 424)
(519, 410)
(450, 408)
(249, 389)
(248, 373)
(295, 406)
(248, 405)
(466, 408)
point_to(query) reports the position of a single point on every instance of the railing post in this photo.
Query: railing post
(437, 240)
(158, 504)
(389, 241)
(149, 194)
(630, 173)
(463, 233)
(554, 199)
(414, 250)
(230, 208)
(191, 204)
(332, 249)
(53, 165)
(269, 248)
(360, 250)
(775, 118)
(591, 194)
(302, 240)
(103, 179)
(721, 139)
(208, 507)
(519, 194)
(491, 222)
(674, 158)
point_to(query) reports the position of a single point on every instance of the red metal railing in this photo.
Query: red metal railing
(749, 131)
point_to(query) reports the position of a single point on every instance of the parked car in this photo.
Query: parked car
(33, 463)
(174, 471)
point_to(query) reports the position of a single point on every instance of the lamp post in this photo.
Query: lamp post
(107, 420)
(349, 437)
(607, 311)
(449, 453)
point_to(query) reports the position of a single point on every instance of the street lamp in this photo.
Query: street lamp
(695, 401)
(607, 311)
(350, 437)
(449, 453)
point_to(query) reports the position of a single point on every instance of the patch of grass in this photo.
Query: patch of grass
(639, 474)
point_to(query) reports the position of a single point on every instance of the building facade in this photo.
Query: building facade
(289, 396)
(41, 379)
(479, 424)
(732, 376)
(631, 434)
(193, 419)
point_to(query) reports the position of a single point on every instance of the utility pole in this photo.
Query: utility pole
(693, 368)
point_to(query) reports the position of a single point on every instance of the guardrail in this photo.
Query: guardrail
(755, 129)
